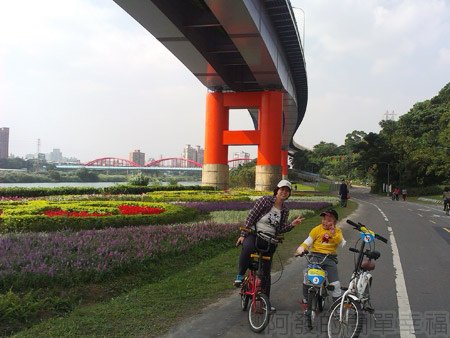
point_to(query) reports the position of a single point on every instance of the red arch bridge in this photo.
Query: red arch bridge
(170, 163)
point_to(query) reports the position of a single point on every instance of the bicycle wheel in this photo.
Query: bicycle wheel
(321, 303)
(259, 313)
(244, 299)
(312, 308)
(351, 323)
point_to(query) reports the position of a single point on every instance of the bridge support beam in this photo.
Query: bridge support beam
(215, 159)
(268, 137)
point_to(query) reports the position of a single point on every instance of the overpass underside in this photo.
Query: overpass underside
(248, 54)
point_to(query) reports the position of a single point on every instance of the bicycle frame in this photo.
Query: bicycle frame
(251, 287)
(254, 277)
(355, 286)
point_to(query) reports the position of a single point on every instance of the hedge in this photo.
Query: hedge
(113, 190)
(28, 216)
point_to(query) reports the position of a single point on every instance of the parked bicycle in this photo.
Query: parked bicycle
(346, 314)
(316, 280)
(251, 294)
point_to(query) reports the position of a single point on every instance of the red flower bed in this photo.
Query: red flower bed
(59, 212)
(123, 209)
(136, 209)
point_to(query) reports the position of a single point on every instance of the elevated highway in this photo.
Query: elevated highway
(237, 46)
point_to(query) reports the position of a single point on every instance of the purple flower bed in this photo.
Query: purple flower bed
(56, 254)
(244, 205)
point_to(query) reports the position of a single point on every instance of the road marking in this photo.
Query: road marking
(448, 230)
(433, 222)
(426, 210)
(420, 215)
(404, 308)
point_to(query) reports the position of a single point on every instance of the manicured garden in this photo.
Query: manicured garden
(66, 254)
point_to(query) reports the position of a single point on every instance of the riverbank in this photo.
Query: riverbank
(79, 184)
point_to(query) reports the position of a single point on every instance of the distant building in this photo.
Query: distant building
(137, 157)
(55, 156)
(4, 142)
(241, 158)
(193, 154)
(200, 153)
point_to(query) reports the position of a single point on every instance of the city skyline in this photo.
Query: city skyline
(85, 77)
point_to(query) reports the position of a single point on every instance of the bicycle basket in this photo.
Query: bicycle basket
(316, 275)
(253, 265)
(367, 237)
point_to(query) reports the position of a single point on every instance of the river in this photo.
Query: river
(77, 184)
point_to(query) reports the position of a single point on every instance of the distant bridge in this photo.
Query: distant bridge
(170, 163)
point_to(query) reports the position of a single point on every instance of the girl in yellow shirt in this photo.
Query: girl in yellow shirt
(323, 240)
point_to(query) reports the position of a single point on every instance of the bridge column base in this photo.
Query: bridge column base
(215, 175)
(267, 177)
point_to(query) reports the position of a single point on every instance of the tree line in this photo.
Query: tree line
(411, 152)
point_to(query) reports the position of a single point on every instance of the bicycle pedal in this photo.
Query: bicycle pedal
(369, 309)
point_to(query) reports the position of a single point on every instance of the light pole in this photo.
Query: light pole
(303, 30)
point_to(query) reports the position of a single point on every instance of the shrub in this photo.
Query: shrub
(114, 190)
(31, 215)
(138, 179)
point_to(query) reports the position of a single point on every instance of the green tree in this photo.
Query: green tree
(87, 176)
(139, 179)
(243, 176)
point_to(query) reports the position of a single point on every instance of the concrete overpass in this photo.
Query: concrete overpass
(245, 52)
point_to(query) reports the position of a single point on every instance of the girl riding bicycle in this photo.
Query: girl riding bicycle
(269, 215)
(323, 240)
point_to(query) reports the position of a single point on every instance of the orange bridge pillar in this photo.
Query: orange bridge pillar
(268, 164)
(215, 167)
(267, 136)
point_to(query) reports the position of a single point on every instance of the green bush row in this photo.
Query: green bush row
(114, 190)
(425, 191)
(29, 217)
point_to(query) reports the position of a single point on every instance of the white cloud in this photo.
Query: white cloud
(444, 56)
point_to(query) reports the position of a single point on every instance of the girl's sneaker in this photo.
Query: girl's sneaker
(238, 281)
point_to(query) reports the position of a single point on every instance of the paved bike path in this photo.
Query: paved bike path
(226, 319)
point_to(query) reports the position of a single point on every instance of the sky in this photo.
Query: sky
(84, 77)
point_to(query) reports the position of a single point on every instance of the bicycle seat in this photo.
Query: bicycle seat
(368, 264)
(373, 254)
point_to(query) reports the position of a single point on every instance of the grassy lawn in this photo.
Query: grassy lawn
(149, 303)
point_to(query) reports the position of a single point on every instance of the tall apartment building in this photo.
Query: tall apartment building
(193, 154)
(55, 156)
(137, 157)
(4, 142)
(200, 153)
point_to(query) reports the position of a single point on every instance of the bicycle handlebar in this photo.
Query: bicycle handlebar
(359, 227)
(303, 254)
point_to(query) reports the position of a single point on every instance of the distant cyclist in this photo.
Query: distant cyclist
(446, 197)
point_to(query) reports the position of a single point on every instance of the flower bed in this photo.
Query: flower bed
(42, 215)
(92, 252)
(244, 205)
